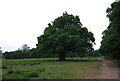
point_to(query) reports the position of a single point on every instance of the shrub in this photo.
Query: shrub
(10, 64)
(10, 72)
(10, 67)
(38, 63)
(32, 74)
(41, 70)
(34, 63)
(4, 67)
(24, 65)
(31, 64)
(49, 73)
(18, 72)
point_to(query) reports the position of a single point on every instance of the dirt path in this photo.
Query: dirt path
(109, 70)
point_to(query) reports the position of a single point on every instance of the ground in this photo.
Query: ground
(50, 68)
(109, 70)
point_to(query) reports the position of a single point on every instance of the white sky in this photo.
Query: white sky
(22, 21)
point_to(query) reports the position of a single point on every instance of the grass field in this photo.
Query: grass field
(50, 68)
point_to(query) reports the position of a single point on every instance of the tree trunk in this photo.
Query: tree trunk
(62, 56)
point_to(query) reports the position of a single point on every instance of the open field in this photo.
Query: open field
(50, 68)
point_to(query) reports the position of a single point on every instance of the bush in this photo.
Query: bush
(38, 63)
(32, 74)
(10, 64)
(31, 64)
(24, 65)
(18, 72)
(41, 70)
(10, 72)
(10, 67)
(4, 67)
(34, 63)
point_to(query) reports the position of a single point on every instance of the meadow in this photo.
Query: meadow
(50, 68)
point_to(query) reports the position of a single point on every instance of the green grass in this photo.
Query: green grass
(50, 68)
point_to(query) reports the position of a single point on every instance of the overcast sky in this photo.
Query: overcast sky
(22, 21)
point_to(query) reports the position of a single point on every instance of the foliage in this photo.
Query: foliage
(65, 34)
(32, 74)
(10, 72)
(110, 45)
(41, 70)
(4, 67)
(95, 53)
(0, 53)
(18, 54)
(33, 53)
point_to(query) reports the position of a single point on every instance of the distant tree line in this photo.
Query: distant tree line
(110, 45)
(32, 53)
(18, 54)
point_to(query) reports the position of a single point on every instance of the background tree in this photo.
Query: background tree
(64, 35)
(33, 53)
(0, 53)
(110, 45)
(25, 47)
(18, 54)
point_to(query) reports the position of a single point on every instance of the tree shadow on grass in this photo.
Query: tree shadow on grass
(74, 60)
(84, 60)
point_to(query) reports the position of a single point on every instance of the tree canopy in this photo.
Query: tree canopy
(110, 45)
(64, 35)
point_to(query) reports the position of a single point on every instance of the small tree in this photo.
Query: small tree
(65, 34)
